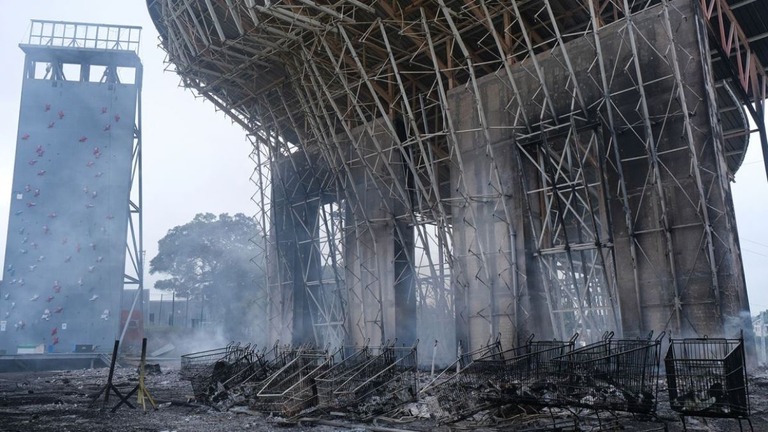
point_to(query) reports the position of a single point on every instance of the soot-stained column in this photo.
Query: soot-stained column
(378, 242)
(491, 290)
(296, 196)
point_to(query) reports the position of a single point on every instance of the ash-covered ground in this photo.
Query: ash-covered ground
(63, 402)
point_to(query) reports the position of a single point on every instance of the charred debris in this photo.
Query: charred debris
(540, 385)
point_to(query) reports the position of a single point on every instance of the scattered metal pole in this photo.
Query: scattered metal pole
(434, 354)
(458, 357)
(111, 371)
(763, 328)
(172, 321)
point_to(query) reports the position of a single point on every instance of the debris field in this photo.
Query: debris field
(543, 385)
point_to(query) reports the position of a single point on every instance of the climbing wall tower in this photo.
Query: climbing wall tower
(75, 220)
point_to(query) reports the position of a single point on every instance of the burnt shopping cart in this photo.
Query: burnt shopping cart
(499, 378)
(292, 388)
(213, 370)
(372, 381)
(707, 377)
(611, 375)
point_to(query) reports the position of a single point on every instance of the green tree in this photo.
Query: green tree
(215, 260)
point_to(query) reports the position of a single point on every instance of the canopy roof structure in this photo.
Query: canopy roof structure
(496, 143)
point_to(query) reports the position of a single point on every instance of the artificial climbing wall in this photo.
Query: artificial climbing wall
(65, 254)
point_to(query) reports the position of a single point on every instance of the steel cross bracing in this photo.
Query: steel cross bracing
(565, 179)
(495, 161)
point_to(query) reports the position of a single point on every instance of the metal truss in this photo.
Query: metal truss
(383, 161)
(565, 179)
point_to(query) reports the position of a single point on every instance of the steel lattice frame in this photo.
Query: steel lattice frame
(352, 110)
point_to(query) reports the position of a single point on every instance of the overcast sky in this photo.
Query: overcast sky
(196, 160)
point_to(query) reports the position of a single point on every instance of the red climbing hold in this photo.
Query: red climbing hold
(25, 137)
(103, 110)
(49, 299)
(47, 107)
(117, 118)
(54, 331)
(83, 138)
(61, 115)
(55, 340)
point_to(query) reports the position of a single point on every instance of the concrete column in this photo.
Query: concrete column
(295, 263)
(378, 243)
(492, 294)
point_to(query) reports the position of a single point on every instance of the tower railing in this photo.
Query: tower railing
(85, 35)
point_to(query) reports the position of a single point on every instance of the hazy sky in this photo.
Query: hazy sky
(196, 160)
